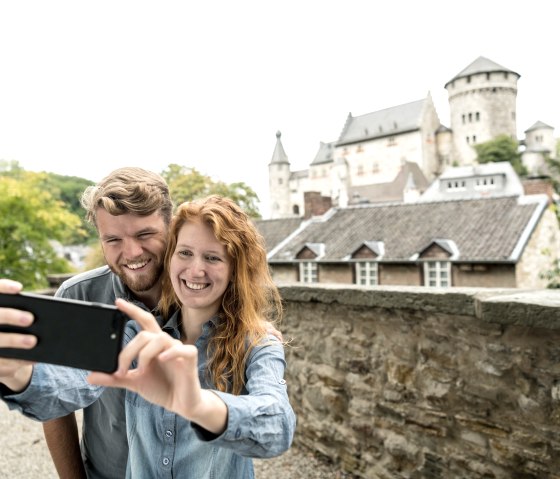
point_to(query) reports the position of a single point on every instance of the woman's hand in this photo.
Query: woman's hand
(166, 373)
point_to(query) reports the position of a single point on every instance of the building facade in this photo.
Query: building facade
(395, 153)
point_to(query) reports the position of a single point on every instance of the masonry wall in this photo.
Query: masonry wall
(407, 382)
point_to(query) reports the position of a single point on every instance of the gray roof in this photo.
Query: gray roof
(387, 122)
(325, 153)
(275, 231)
(539, 125)
(481, 65)
(483, 230)
(279, 155)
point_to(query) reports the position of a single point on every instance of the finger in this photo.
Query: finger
(9, 286)
(15, 317)
(154, 348)
(18, 341)
(132, 349)
(145, 319)
(188, 352)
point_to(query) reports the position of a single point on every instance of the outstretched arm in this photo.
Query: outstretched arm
(14, 373)
(167, 373)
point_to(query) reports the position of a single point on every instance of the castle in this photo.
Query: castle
(395, 153)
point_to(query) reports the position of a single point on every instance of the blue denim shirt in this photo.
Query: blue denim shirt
(261, 422)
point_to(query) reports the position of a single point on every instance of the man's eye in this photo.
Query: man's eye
(111, 240)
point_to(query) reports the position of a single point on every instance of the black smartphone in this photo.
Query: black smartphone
(72, 333)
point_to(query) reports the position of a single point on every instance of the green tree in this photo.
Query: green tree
(30, 217)
(501, 148)
(68, 189)
(187, 184)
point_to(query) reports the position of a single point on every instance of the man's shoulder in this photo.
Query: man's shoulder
(93, 285)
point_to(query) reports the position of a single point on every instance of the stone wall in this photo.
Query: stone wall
(396, 382)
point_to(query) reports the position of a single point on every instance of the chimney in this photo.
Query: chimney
(315, 204)
(538, 185)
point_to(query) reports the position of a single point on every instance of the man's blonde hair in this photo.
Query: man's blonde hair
(128, 190)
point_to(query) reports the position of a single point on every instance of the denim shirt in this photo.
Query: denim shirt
(261, 422)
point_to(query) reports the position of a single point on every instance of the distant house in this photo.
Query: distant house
(475, 181)
(490, 242)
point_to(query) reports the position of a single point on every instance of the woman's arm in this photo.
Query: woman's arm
(167, 373)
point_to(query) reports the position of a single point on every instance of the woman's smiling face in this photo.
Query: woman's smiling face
(200, 268)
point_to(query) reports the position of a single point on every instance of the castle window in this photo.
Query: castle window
(468, 79)
(470, 117)
(391, 141)
(488, 76)
(367, 273)
(463, 116)
(375, 167)
(308, 272)
(474, 138)
(437, 274)
(360, 148)
(468, 140)
(295, 210)
(380, 129)
(506, 75)
(360, 169)
(477, 114)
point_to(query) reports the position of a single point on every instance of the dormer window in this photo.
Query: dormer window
(367, 262)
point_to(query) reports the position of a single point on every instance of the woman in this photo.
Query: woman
(205, 393)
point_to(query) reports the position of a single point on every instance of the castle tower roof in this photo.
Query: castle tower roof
(481, 65)
(539, 125)
(279, 155)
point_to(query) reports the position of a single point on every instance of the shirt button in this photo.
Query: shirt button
(168, 433)
(165, 461)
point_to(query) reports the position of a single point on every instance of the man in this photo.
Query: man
(131, 209)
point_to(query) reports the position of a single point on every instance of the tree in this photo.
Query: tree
(68, 189)
(30, 217)
(187, 184)
(501, 148)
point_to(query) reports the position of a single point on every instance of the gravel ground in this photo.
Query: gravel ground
(24, 455)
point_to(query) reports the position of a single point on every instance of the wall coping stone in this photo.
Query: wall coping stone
(507, 306)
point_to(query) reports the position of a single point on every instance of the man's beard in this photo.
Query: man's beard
(140, 283)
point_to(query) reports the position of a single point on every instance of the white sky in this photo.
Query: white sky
(88, 86)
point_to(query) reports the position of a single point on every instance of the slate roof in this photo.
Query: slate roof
(274, 231)
(483, 230)
(538, 126)
(279, 155)
(481, 65)
(390, 121)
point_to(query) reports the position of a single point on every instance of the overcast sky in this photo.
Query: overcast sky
(86, 87)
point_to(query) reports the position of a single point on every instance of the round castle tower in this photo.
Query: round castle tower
(279, 181)
(482, 105)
